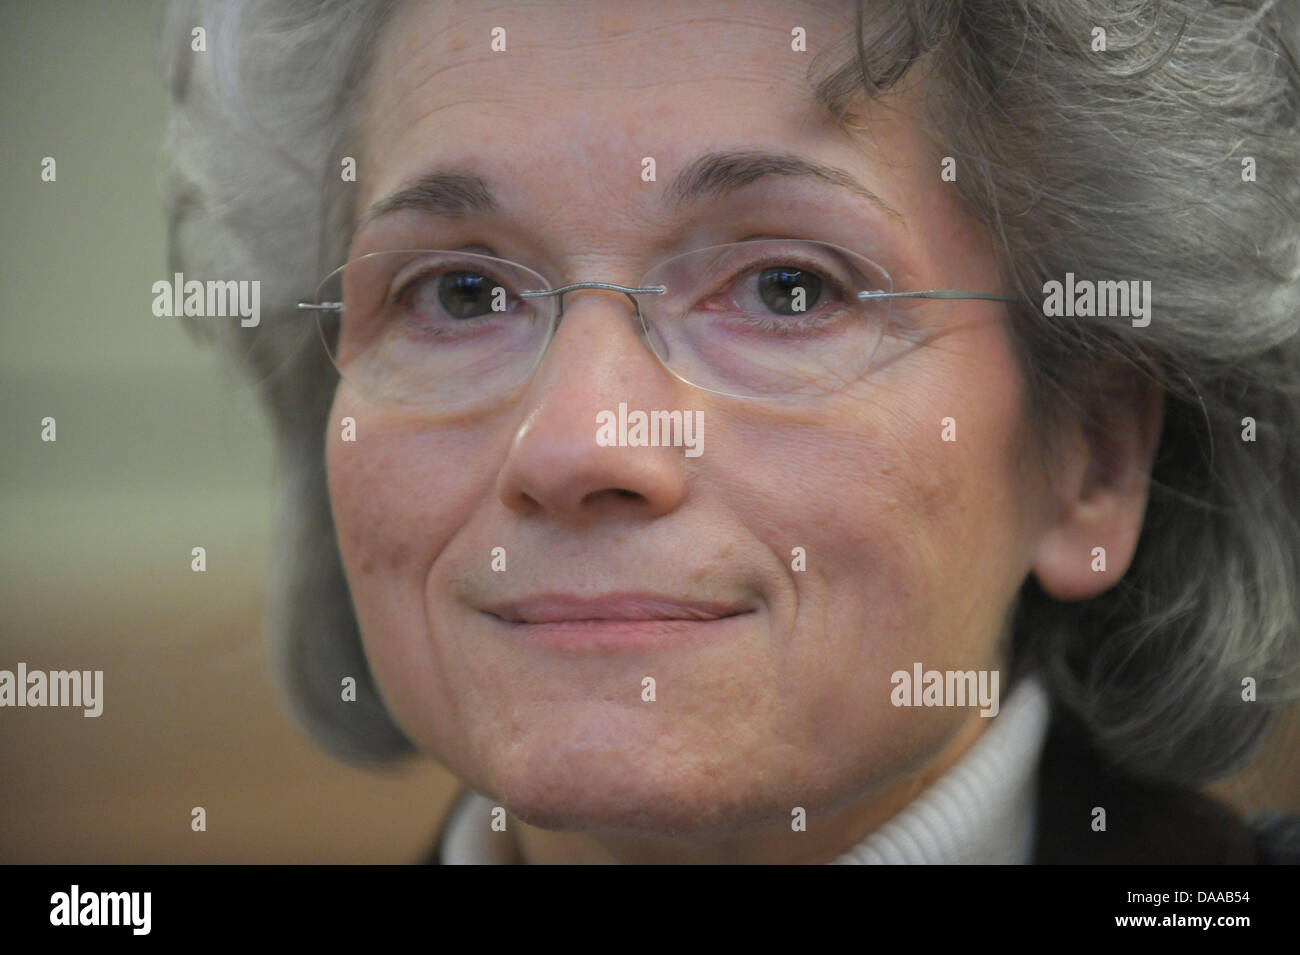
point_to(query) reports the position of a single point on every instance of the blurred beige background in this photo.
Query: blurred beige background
(158, 450)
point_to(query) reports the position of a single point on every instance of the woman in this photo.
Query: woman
(997, 572)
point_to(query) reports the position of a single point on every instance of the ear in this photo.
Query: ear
(1100, 483)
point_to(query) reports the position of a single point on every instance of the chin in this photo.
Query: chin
(569, 780)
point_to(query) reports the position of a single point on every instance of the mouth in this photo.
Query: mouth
(619, 621)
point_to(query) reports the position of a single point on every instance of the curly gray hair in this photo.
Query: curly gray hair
(1122, 162)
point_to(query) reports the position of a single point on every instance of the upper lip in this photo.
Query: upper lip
(558, 608)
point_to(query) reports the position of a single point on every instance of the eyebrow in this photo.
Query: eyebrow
(453, 194)
(715, 174)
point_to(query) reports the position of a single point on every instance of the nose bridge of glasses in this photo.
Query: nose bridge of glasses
(630, 291)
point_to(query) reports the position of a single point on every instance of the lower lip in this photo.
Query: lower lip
(582, 636)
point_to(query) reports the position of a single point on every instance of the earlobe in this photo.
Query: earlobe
(1100, 487)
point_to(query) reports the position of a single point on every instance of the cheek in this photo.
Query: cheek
(944, 486)
(914, 544)
(889, 512)
(369, 483)
(398, 492)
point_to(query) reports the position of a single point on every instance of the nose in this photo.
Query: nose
(554, 464)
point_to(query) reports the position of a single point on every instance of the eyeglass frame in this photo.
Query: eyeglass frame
(632, 291)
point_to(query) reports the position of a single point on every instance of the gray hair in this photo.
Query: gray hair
(1126, 162)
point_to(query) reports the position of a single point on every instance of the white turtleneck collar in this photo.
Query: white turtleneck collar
(982, 810)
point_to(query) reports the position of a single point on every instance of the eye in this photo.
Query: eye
(789, 290)
(464, 294)
(449, 294)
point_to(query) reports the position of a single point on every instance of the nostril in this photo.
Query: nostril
(621, 493)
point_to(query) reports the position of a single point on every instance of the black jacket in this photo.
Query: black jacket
(1147, 823)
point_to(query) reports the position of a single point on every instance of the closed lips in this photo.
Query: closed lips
(561, 608)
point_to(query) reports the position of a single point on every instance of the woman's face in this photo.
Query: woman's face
(772, 684)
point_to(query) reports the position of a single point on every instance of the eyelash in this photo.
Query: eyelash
(428, 274)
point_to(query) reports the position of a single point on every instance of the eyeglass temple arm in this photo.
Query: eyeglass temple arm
(937, 293)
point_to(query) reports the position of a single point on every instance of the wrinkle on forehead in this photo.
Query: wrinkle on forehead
(661, 50)
(439, 56)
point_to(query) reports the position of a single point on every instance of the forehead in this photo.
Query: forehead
(585, 91)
